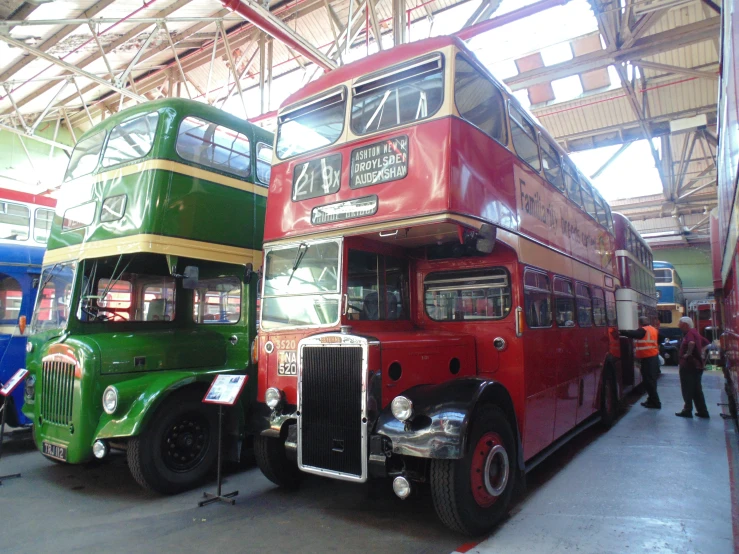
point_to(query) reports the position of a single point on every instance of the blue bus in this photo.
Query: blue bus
(670, 299)
(25, 221)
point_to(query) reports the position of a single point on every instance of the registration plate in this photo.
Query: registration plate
(55, 451)
(287, 362)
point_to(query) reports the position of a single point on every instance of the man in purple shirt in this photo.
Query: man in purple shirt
(691, 370)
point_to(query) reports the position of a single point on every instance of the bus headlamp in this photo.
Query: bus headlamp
(110, 400)
(29, 347)
(273, 397)
(402, 408)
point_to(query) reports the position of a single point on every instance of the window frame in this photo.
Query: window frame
(109, 134)
(252, 168)
(590, 301)
(389, 72)
(570, 296)
(29, 215)
(35, 219)
(66, 229)
(241, 289)
(105, 134)
(571, 171)
(599, 294)
(536, 289)
(512, 106)
(257, 180)
(483, 75)
(300, 106)
(509, 285)
(11, 320)
(561, 187)
(123, 211)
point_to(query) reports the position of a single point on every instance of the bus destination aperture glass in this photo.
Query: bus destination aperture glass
(317, 177)
(380, 162)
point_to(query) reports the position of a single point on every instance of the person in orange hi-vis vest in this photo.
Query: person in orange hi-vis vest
(646, 350)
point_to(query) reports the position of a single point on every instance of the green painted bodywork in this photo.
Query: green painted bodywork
(179, 354)
(167, 203)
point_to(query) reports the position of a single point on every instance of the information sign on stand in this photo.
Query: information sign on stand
(17, 378)
(224, 391)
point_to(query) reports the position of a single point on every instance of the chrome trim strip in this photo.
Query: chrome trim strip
(346, 340)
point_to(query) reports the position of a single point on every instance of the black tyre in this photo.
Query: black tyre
(178, 448)
(608, 399)
(472, 494)
(274, 463)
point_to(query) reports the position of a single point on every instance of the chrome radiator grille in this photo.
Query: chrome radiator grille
(331, 412)
(57, 392)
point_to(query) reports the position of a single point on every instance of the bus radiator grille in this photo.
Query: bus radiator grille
(57, 392)
(331, 414)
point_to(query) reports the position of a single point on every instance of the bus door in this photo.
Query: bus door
(569, 356)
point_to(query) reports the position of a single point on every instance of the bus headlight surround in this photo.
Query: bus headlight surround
(110, 400)
(402, 408)
(273, 397)
(29, 391)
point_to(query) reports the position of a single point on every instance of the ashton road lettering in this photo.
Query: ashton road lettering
(379, 163)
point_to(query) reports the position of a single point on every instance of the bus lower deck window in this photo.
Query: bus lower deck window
(467, 295)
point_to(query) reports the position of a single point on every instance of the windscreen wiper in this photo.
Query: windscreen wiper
(302, 249)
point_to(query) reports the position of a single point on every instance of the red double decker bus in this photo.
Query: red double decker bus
(439, 286)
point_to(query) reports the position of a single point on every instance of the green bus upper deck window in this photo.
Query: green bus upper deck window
(79, 216)
(312, 125)
(214, 146)
(85, 156)
(15, 221)
(264, 163)
(131, 140)
(404, 94)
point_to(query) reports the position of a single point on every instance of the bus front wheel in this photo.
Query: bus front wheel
(274, 463)
(472, 494)
(178, 448)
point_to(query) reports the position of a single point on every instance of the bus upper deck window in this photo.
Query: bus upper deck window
(523, 134)
(131, 139)
(15, 221)
(312, 124)
(402, 94)
(478, 100)
(572, 184)
(552, 163)
(587, 197)
(85, 156)
(214, 146)
(264, 163)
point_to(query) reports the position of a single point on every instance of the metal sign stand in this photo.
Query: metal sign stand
(218, 497)
(224, 391)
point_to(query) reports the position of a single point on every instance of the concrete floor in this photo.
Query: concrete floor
(654, 483)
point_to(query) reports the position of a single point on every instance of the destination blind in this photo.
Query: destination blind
(380, 162)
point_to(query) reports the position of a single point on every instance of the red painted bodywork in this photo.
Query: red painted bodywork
(553, 375)
(727, 229)
(17, 196)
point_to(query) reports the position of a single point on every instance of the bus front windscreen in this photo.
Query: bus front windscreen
(301, 286)
(315, 124)
(53, 299)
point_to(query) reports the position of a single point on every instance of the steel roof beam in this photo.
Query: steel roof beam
(276, 28)
(675, 69)
(125, 37)
(612, 159)
(601, 59)
(69, 67)
(53, 143)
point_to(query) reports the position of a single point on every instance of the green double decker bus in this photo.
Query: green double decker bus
(149, 289)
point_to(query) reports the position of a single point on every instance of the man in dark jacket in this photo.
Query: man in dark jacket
(691, 370)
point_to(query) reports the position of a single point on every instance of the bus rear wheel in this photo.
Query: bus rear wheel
(178, 449)
(274, 463)
(472, 494)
